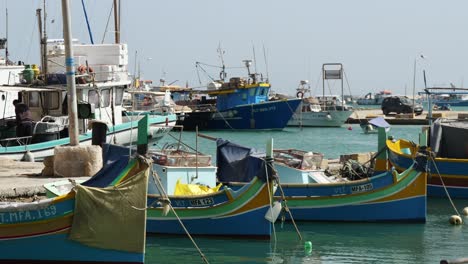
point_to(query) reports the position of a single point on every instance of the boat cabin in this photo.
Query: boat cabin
(139, 101)
(239, 91)
(49, 111)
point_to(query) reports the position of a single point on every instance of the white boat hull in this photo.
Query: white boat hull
(123, 136)
(320, 119)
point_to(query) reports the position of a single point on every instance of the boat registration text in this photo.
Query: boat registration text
(362, 188)
(202, 202)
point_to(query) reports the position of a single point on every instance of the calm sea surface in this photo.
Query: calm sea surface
(331, 242)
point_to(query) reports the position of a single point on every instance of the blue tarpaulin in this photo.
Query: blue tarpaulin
(237, 163)
(115, 160)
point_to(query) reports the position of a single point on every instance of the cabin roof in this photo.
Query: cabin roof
(7, 88)
(145, 92)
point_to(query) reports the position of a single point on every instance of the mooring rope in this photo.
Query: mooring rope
(158, 183)
(283, 197)
(225, 121)
(271, 200)
(431, 156)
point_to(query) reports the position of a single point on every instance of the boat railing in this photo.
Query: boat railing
(202, 107)
(179, 158)
(16, 141)
(298, 159)
(50, 124)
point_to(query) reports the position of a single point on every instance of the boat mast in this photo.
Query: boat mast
(6, 35)
(222, 74)
(44, 44)
(43, 39)
(72, 101)
(117, 20)
(39, 23)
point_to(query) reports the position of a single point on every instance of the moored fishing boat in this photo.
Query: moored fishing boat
(241, 104)
(387, 196)
(220, 211)
(322, 111)
(100, 87)
(448, 163)
(9, 74)
(74, 227)
(373, 98)
(372, 126)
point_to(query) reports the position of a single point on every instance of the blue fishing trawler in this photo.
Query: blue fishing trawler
(241, 104)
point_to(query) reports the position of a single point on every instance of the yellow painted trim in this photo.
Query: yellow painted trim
(218, 92)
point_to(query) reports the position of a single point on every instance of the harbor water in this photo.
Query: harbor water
(330, 242)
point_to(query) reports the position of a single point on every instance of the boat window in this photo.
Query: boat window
(93, 98)
(105, 95)
(34, 99)
(252, 91)
(119, 96)
(51, 100)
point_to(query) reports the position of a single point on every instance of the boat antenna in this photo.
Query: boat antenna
(222, 74)
(266, 64)
(254, 59)
(248, 63)
(135, 69)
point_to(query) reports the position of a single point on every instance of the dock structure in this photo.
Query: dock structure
(23, 179)
(403, 119)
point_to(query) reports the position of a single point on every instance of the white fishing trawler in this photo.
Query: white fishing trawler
(321, 111)
(102, 77)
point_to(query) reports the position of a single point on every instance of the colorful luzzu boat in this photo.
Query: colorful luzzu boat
(386, 196)
(74, 227)
(223, 212)
(448, 167)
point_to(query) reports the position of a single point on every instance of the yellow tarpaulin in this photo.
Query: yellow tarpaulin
(194, 189)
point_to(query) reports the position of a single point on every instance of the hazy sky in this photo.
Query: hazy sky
(377, 41)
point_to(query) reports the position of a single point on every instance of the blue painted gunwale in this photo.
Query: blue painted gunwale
(214, 220)
(83, 137)
(454, 174)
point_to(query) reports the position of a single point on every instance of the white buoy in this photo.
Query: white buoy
(273, 212)
(455, 220)
(465, 211)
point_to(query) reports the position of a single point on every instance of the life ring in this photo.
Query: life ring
(300, 95)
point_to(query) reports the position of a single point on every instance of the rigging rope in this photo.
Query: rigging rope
(31, 39)
(87, 22)
(347, 83)
(107, 23)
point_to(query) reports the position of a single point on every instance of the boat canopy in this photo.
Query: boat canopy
(446, 139)
(238, 163)
(379, 122)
